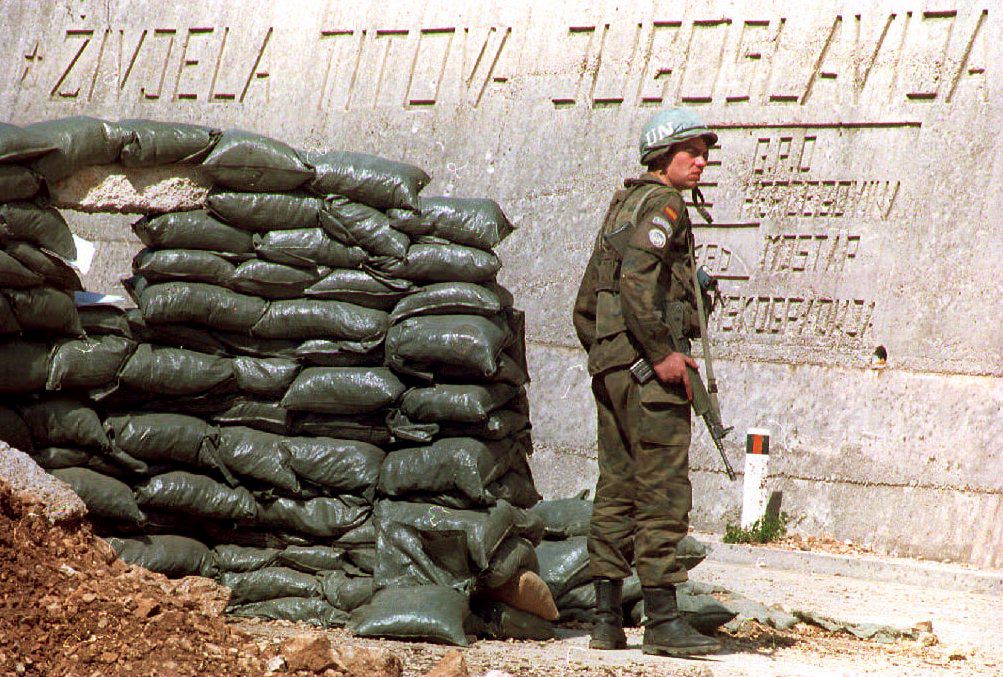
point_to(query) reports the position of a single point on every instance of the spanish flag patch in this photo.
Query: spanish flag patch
(671, 213)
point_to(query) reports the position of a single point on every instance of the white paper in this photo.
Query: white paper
(93, 298)
(85, 255)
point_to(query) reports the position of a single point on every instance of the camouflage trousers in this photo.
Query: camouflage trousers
(643, 496)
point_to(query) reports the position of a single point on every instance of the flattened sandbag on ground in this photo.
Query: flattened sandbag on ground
(24, 365)
(476, 222)
(447, 298)
(338, 465)
(269, 417)
(56, 271)
(430, 613)
(441, 263)
(174, 371)
(257, 455)
(564, 565)
(308, 247)
(312, 559)
(272, 280)
(63, 421)
(17, 183)
(183, 265)
(18, 144)
(13, 430)
(313, 610)
(375, 181)
(268, 377)
(306, 319)
(246, 161)
(263, 212)
(192, 230)
(161, 437)
(343, 390)
(501, 621)
(238, 558)
(80, 141)
(204, 304)
(469, 343)
(269, 583)
(360, 287)
(325, 517)
(149, 143)
(87, 363)
(196, 495)
(463, 466)
(703, 612)
(45, 309)
(462, 403)
(358, 224)
(104, 496)
(564, 517)
(690, 552)
(344, 592)
(173, 556)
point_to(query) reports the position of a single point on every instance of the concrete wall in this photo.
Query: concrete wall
(857, 192)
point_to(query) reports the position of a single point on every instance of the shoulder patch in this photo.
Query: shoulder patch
(657, 238)
(670, 212)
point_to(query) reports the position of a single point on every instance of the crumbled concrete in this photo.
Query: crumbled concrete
(19, 471)
(118, 189)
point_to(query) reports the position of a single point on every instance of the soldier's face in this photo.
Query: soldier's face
(687, 164)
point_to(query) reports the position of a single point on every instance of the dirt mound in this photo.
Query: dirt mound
(68, 605)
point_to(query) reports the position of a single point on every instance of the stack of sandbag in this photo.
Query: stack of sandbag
(564, 566)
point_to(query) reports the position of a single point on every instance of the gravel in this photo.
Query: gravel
(25, 477)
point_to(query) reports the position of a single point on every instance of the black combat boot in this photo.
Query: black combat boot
(607, 632)
(665, 632)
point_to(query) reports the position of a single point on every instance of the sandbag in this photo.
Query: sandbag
(196, 495)
(104, 496)
(54, 458)
(272, 280)
(690, 552)
(441, 263)
(515, 554)
(325, 517)
(447, 298)
(306, 319)
(361, 287)
(17, 183)
(14, 274)
(344, 592)
(62, 421)
(363, 560)
(257, 455)
(313, 610)
(312, 559)
(263, 212)
(183, 265)
(8, 323)
(463, 403)
(430, 613)
(80, 141)
(161, 437)
(174, 371)
(269, 417)
(343, 390)
(56, 272)
(362, 535)
(45, 309)
(24, 366)
(463, 466)
(498, 425)
(13, 430)
(192, 230)
(337, 465)
(268, 583)
(87, 363)
(204, 304)
(704, 613)
(103, 321)
(149, 143)
(469, 343)
(564, 565)
(307, 247)
(528, 592)
(564, 517)
(357, 224)
(42, 226)
(476, 222)
(363, 428)
(239, 559)
(502, 621)
(268, 377)
(173, 556)
(18, 144)
(375, 181)
(246, 161)
(516, 486)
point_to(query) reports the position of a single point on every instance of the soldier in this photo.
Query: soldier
(643, 495)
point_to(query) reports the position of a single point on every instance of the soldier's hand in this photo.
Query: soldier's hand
(672, 369)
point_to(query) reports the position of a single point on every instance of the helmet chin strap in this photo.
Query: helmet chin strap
(698, 203)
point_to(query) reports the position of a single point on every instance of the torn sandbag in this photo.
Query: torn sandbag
(469, 343)
(80, 141)
(63, 421)
(447, 298)
(312, 559)
(197, 495)
(430, 613)
(360, 287)
(257, 455)
(357, 224)
(192, 230)
(247, 161)
(306, 319)
(268, 583)
(324, 517)
(307, 247)
(45, 309)
(174, 371)
(375, 181)
(42, 226)
(475, 222)
(312, 610)
(18, 144)
(462, 403)
(343, 390)
(204, 304)
(344, 592)
(268, 377)
(173, 556)
(441, 263)
(239, 559)
(564, 565)
(272, 280)
(149, 143)
(87, 363)
(264, 212)
(162, 437)
(104, 496)
(24, 365)
(337, 465)
(17, 183)
(183, 265)
(55, 270)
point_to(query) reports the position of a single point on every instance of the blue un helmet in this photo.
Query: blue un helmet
(670, 126)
